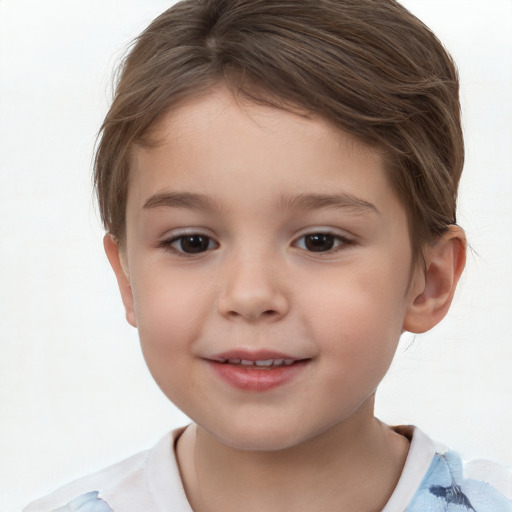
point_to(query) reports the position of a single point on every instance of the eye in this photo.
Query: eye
(191, 244)
(321, 242)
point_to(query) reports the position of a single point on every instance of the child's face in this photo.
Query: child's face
(257, 234)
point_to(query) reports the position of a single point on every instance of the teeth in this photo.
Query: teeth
(262, 363)
(268, 362)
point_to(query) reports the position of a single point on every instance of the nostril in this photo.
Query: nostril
(252, 304)
(269, 313)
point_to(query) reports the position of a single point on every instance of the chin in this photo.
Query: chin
(260, 436)
(259, 443)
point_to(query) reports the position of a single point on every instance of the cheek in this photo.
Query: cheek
(170, 314)
(358, 318)
(357, 351)
(170, 309)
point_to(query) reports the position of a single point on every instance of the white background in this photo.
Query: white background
(74, 392)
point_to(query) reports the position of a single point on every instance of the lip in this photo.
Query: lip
(253, 378)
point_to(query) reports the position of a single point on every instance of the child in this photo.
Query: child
(278, 183)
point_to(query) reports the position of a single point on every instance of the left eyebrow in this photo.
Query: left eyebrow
(335, 201)
(179, 200)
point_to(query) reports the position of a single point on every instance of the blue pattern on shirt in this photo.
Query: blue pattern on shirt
(444, 489)
(88, 502)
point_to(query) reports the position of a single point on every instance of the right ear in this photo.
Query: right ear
(115, 257)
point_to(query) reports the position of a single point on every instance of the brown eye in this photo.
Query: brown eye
(319, 242)
(192, 244)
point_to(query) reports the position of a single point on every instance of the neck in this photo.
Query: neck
(353, 466)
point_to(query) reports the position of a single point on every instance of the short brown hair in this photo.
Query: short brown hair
(367, 66)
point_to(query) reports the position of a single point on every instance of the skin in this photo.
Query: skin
(259, 184)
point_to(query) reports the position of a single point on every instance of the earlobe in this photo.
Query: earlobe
(119, 266)
(433, 290)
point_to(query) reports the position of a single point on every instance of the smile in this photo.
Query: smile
(267, 364)
(256, 371)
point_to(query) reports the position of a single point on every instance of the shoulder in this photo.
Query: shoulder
(466, 486)
(125, 474)
(127, 486)
(497, 475)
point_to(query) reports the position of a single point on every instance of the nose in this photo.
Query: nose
(253, 290)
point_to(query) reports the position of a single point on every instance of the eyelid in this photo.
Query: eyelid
(166, 242)
(343, 237)
(335, 232)
(171, 237)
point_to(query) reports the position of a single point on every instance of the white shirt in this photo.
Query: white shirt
(150, 481)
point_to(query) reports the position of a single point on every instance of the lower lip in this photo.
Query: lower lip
(252, 379)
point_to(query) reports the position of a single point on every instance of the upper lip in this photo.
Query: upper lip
(252, 355)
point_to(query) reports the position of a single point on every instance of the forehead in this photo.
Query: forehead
(199, 114)
(218, 143)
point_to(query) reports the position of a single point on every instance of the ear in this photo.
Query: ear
(115, 257)
(434, 285)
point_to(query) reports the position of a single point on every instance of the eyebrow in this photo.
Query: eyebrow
(300, 202)
(334, 201)
(179, 200)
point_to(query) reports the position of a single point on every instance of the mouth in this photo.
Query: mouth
(259, 364)
(256, 359)
(257, 371)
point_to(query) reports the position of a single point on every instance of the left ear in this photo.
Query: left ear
(434, 284)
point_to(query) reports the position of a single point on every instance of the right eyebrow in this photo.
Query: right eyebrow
(179, 200)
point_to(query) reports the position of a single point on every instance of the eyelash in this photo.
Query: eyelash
(337, 242)
(169, 245)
